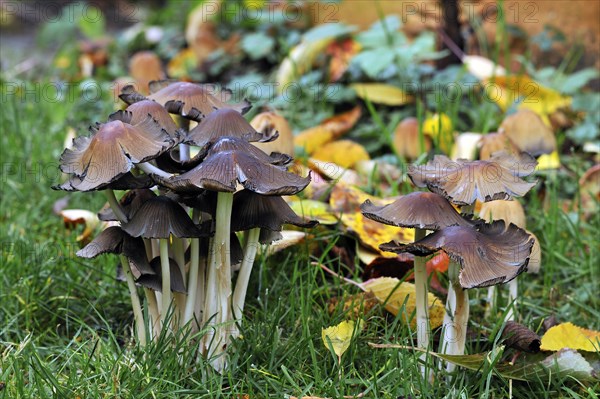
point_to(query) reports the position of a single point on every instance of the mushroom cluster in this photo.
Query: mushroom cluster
(482, 254)
(191, 194)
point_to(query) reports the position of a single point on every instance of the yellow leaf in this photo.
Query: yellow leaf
(548, 161)
(348, 198)
(439, 128)
(180, 66)
(393, 294)
(342, 152)
(379, 93)
(568, 335)
(312, 209)
(340, 336)
(299, 61)
(313, 138)
(506, 90)
(372, 233)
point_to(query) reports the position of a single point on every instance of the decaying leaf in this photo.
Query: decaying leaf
(380, 93)
(341, 53)
(345, 153)
(340, 336)
(336, 172)
(348, 198)
(288, 238)
(393, 295)
(354, 306)
(372, 233)
(568, 335)
(74, 217)
(519, 337)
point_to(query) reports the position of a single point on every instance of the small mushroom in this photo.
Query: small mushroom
(495, 142)
(407, 142)
(140, 110)
(144, 67)
(463, 181)
(528, 132)
(489, 254)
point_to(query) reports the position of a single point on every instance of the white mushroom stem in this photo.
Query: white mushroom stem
(140, 325)
(165, 269)
(421, 292)
(513, 293)
(154, 323)
(115, 205)
(184, 149)
(150, 169)
(193, 273)
(218, 294)
(490, 301)
(241, 285)
(456, 318)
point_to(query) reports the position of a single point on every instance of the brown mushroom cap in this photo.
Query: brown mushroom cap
(190, 100)
(488, 255)
(144, 67)
(111, 151)
(528, 131)
(495, 142)
(154, 281)
(116, 241)
(161, 217)
(406, 139)
(237, 144)
(220, 171)
(140, 110)
(463, 182)
(419, 209)
(251, 210)
(224, 122)
(509, 211)
(125, 182)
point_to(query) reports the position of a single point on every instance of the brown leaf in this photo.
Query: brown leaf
(341, 53)
(354, 306)
(519, 337)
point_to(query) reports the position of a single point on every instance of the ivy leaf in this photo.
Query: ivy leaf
(257, 45)
(373, 62)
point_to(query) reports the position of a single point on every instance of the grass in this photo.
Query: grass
(65, 323)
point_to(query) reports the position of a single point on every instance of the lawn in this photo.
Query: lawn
(66, 323)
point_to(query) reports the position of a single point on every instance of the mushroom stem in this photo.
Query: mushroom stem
(184, 149)
(165, 269)
(193, 273)
(490, 301)
(421, 292)
(153, 311)
(513, 292)
(150, 169)
(218, 295)
(115, 206)
(135, 302)
(456, 318)
(241, 285)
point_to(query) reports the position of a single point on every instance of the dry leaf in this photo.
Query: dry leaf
(74, 217)
(519, 337)
(548, 161)
(299, 61)
(341, 123)
(330, 129)
(506, 90)
(372, 233)
(380, 93)
(393, 294)
(269, 122)
(347, 198)
(288, 238)
(340, 336)
(341, 53)
(354, 306)
(342, 152)
(568, 335)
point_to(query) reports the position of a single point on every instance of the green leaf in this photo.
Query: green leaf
(373, 62)
(586, 131)
(257, 45)
(327, 31)
(576, 81)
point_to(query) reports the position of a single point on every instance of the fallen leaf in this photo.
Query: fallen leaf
(180, 66)
(269, 122)
(527, 93)
(465, 146)
(394, 295)
(380, 93)
(372, 233)
(439, 127)
(548, 161)
(341, 53)
(354, 306)
(589, 191)
(316, 210)
(568, 335)
(74, 217)
(341, 123)
(519, 337)
(299, 61)
(340, 336)
(335, 172)
(347, 198)
(288, 238)
(342, 152)
(329, 130)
